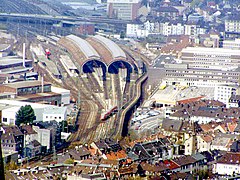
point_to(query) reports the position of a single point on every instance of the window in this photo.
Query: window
(4, 119)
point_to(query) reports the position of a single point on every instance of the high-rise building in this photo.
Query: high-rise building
(123, 9)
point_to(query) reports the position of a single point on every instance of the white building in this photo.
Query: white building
(204, 142)
(230, 44)
(211, 58)
(228, 164)
(43, 136)
(224, 92)
(138, 30)
(193, 30)
(232, 24)
(65, 94)
(168, 28)
(43, 112)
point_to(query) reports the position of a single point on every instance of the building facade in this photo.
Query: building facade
(123, 9)
(183, 75)
(211, 58)
(232, 24)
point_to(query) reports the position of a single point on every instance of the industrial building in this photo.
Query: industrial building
(35, 91)
(43, 112)
(14, 65)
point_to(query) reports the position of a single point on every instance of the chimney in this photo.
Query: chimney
(24, 52)
(42, 85)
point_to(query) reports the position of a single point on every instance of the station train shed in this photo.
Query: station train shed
(97, 51)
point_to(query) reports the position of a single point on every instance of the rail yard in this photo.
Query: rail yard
(105, 77)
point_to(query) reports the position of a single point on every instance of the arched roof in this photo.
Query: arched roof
(112, 47)
(88, 51)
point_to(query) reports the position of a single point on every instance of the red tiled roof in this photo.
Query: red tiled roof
(172, 165)
(230, 158)
(185, 101)
(116, 156)
(207, 138)
(231, 126)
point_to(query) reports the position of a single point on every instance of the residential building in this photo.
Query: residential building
(193, 29)
(190, 144)
(168, 28)
(77, 154)
(153, 170)
(232, 24)
(49, 134)
(139, 30)
(186, 163)
(33, 149)
(12, 139)
(222, 143)
(228, 164)
(44, 137)
(166, 11)
(234, 101)
(29, 134)
(224, 92)
(195, 17)
(106, 145)
(151, 151)
(123, 9)
(204, 142)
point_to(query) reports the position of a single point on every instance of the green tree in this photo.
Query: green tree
(25, 115)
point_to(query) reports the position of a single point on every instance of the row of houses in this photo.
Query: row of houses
(30, 141)
(142, 30)
(141, 158)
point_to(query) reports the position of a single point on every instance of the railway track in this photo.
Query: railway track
(94, 83)
(105, 90)
(126, 94)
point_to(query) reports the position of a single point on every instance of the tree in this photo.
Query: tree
(12, 165)
(69, 161)
(25, 115)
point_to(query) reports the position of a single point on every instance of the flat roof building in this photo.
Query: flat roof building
(211, 58)
(183, 75)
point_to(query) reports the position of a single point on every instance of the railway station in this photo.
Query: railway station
(83, 53)
(97, 52)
